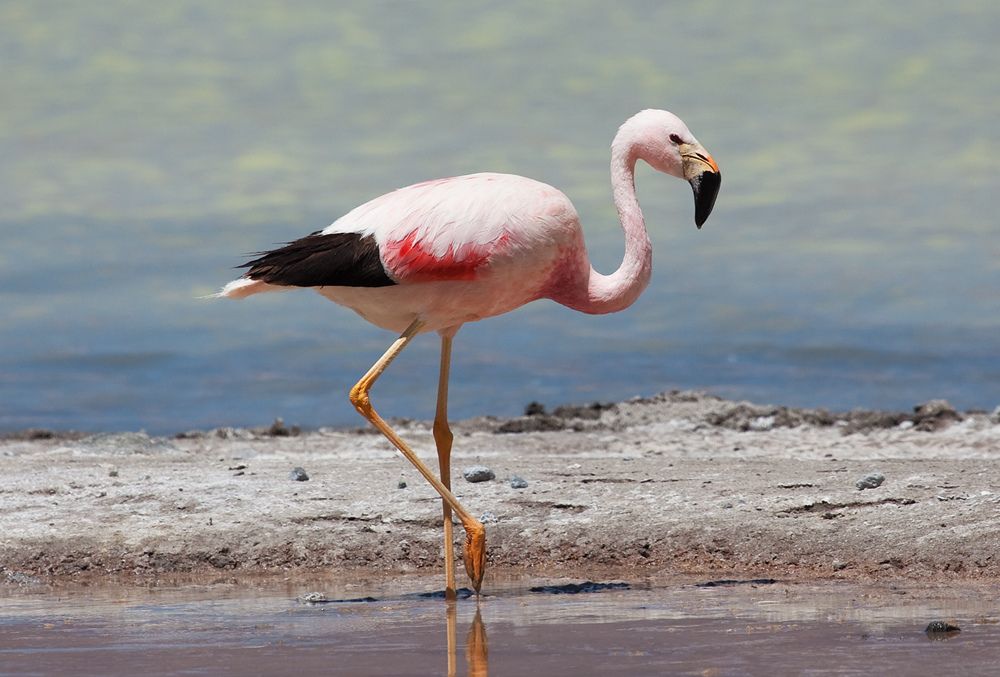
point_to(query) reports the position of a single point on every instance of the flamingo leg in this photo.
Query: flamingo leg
(443, 438)
(475, 532)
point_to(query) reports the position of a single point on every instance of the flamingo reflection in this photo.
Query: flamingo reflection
(476, 645)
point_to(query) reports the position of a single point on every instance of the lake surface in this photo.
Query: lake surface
(672, 628)
(853, 258)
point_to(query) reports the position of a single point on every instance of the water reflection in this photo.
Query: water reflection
(476, 644)
(380, 627)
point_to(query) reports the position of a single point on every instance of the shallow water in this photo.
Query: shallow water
(666, 628)
(852, 259)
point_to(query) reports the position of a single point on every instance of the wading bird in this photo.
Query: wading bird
(435, 255)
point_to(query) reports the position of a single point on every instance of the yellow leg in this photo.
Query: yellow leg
(475, 532)
(443, 438)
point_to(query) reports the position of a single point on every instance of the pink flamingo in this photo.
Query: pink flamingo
(435, 255)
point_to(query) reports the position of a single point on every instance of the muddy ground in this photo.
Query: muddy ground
(681, 482)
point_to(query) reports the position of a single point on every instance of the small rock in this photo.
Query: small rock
(870, 481)
(298, 474)
(279, 429)
(517, 483)
(534, 409)
(537, 423)
(762, 423)
(478, 473)
(313, 598)
(489, 518)
(838, 565)
(934, 415)
(401, 484)
(21, 579)
(942, 629)
(995, 416)
(234, 434)
(113, 472)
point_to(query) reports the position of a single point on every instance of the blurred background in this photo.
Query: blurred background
(853, 258)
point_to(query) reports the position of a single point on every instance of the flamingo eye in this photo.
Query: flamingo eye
(676, 139)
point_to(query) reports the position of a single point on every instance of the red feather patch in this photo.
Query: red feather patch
(407, 260)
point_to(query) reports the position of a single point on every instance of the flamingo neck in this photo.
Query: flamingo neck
(617, 291)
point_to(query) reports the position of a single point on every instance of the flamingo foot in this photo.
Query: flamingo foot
(475, 552)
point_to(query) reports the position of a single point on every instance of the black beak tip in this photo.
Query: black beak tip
(706, 189)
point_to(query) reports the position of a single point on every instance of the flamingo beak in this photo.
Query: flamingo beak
(705, 178)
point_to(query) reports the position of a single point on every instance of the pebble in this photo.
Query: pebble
(870, 481)
(839, 565)
(279, 429)
(21, 579)
(313, 598)
(762, 423)
(941, 629)
(401, 484)
(477, 473)
(489, 518)
(534, 409)
(298, 474)
(517, 483)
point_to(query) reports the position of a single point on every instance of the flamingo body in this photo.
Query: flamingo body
(435, 255)
(453, 250)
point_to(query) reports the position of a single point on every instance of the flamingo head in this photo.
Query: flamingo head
(667, 145)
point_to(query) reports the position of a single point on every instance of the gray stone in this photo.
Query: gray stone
(401, 484)
(298, 474)
(942, 629)
(517, 483)
(934, 415)
(762, 423)
(870, 481)
(477, 473)
(313, 598)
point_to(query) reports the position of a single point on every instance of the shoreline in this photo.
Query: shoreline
(682, 483)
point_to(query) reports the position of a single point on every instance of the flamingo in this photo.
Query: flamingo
(435, 255)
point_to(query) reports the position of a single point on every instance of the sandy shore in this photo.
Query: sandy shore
(681, 482)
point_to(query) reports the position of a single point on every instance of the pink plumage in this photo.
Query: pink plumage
(437, 254)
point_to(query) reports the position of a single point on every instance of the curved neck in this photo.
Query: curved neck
(611, 293)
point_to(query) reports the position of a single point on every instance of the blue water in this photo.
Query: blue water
(853, 259)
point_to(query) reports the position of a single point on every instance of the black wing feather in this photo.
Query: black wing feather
(317, 260)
